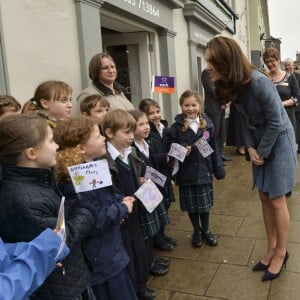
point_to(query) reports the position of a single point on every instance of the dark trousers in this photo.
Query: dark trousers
(134, 244)
(219, 124)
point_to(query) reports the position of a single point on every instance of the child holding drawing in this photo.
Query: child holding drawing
(158, 218)
(126, 170)
(80, 141)
(158, 129)
(191, 129)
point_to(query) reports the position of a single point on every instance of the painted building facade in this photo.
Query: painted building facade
(55, 39)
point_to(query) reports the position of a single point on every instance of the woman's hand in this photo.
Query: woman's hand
(255, 157)
(288, 102)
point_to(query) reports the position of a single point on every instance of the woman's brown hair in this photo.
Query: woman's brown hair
(95, 65)
(17, 133)
(226, 56)
(68, 134)
(271, 53)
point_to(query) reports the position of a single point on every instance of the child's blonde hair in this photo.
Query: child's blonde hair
(199, 100)
(118, 119)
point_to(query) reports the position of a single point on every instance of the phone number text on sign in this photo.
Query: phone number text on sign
(146, 6)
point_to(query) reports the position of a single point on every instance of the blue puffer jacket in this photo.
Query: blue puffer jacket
(29, 203)
(195, 169)
(25, 266)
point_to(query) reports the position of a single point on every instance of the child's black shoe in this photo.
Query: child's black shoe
(158, 269)
(162, 244)
(170, 240)
(162, 261)
(210, 238)
(197, 239)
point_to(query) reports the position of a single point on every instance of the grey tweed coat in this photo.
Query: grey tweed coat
(267, 128)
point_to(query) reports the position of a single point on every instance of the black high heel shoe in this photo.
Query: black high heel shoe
(260, 267)
(270, 276)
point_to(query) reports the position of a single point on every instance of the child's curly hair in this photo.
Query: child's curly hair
(198, 98)
(68, 134)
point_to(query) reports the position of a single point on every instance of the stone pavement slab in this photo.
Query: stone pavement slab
(225, 271)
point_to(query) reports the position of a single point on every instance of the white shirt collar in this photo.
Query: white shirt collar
(160, 128)
(115, 153)
(194, 124)
(193, 120)
(144, 149)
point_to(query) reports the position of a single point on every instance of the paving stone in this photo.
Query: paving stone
(187, 275)
(225, 271)
(237, 283)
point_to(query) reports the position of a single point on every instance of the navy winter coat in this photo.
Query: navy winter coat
(195, 169)
(29, 203)
(103, 246)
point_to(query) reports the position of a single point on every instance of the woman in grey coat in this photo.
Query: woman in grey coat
(269, 138)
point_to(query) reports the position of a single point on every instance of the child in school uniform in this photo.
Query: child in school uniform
(95, 107)
(8, 106)
(30, 201)
(126, 170)
(157, 135)
(52, 100)
(80, 141)
(195, 175)
(151, 222)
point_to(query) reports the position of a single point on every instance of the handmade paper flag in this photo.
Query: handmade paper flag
(90, 176)
(149, 195)
(178, 151)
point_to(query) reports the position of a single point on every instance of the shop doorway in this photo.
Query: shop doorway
(131, 54)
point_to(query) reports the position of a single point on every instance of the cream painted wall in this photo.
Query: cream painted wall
(181, 53)
(242, 27)
(40, 38)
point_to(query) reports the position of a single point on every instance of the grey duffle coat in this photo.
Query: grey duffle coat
(267, 128)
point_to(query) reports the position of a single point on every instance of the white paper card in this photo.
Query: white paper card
(204, 148)
(178, 151)
(149, 195)
(155, 176)
(90, 176)
(60, 228)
